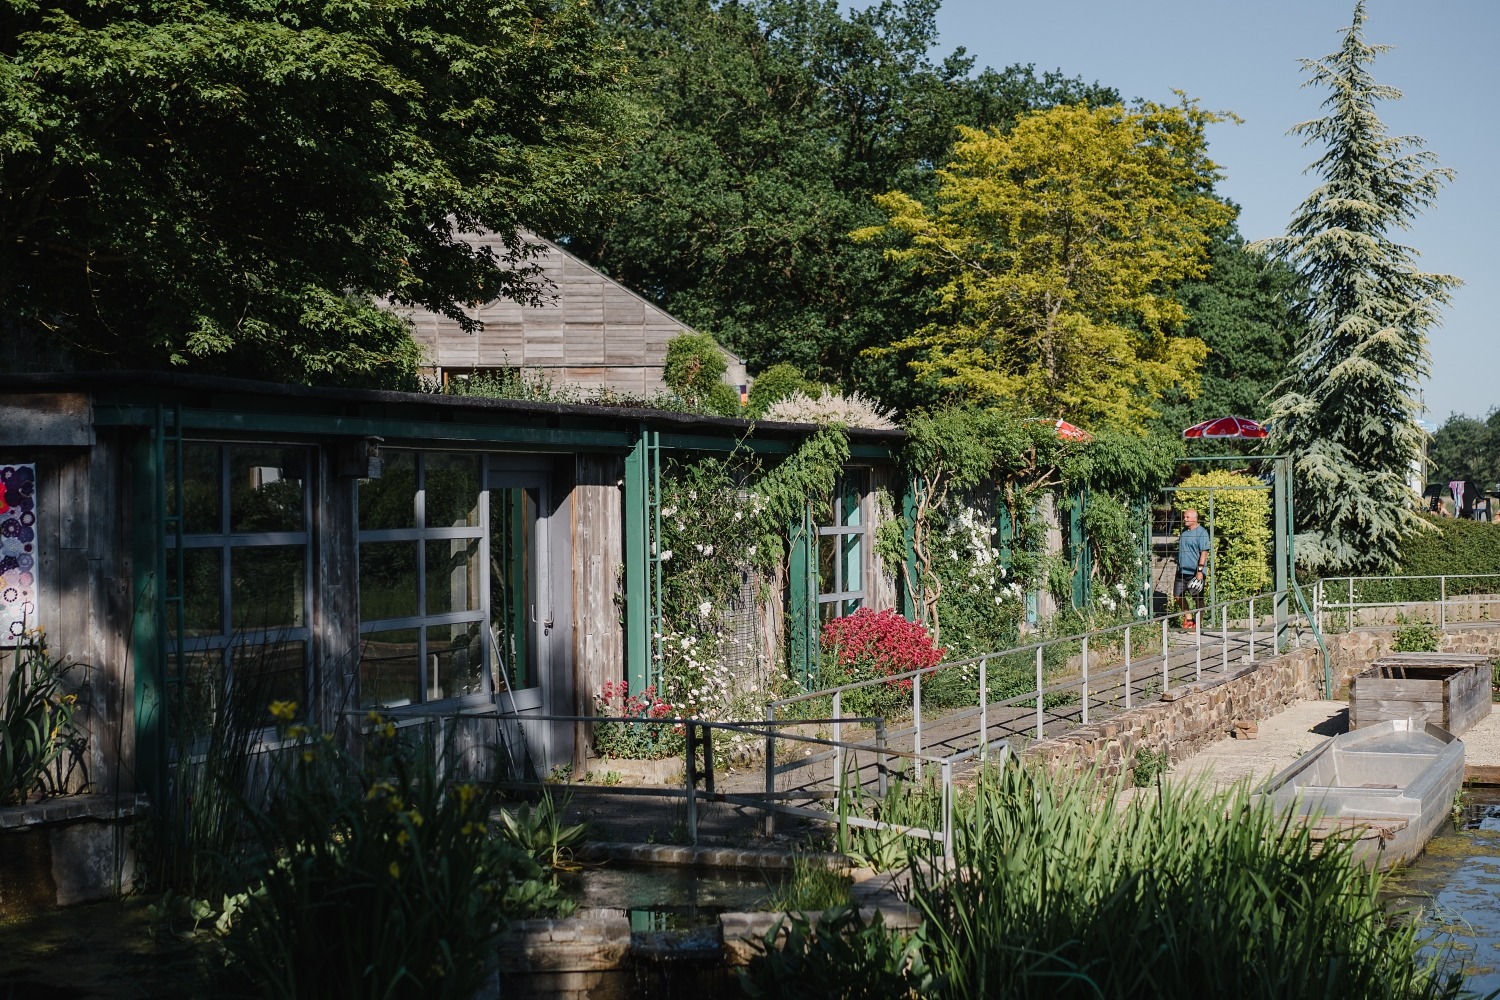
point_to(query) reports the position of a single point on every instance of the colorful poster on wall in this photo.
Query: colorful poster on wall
(18, 552)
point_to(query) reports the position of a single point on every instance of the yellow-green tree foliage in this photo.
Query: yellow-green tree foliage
(1241, 529)
(1050, 249)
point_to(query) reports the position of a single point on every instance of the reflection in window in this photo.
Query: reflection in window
(422, 556)
(238, 579)
(389, 669)
(842, 535)
(513, 514)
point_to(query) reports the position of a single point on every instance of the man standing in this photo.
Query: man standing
(1192, 561)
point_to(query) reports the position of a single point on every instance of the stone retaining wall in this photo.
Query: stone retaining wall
(66, 850)
(1190, 716)
(594, 955)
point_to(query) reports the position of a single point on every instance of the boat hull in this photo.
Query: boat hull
(1390, 785)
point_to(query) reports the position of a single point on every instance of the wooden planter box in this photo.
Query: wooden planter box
(1449, 690)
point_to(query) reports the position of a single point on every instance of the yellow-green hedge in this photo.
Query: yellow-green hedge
(1241, 528)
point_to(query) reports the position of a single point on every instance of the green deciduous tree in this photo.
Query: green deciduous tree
(1347, 410)
(772, 122)
(1466, 448)
(230, 186)
(1048, 250)
(1244, 310)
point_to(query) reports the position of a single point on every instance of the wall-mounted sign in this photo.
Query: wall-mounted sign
(18, 552)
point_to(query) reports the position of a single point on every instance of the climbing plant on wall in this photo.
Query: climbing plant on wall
(723, 519)
(979, 524)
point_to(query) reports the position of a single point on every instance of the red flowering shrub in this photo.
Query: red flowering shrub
(644, 739)
(869, 644)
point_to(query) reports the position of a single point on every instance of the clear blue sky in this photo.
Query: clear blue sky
(1242, 57)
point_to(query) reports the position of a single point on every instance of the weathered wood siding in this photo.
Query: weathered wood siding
(1448, 690)
(882, 578)
(591, 331)
(598, 546)
(84, 599)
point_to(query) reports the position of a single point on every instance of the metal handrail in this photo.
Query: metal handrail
(1328, 588)
(757, 728)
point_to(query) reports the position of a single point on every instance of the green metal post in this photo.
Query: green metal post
(802, 600)
(910, 594)
(637, 566)
(1078, 548)
(1281, 505)
(148, 639)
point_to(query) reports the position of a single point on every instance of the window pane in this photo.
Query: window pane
(387, 580)
(512, 522)
(192, 701)
(389, 671)
(265, 489)
(268, 587)
(391, 500)
(267, 672)
(452, 485)
(452, 580)
(827, 549)
(455, 661)
(849, 485)
(828, 611)
(851, 553)
(202, 593)
(201, 483)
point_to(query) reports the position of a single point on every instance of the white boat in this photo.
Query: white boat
(1391, 785)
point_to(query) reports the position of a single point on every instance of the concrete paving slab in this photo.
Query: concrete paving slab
(1282, 739)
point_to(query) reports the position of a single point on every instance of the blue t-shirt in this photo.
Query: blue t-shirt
(1191, 545)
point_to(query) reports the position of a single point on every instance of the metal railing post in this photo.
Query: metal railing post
(770, 823)
(1252, 630)
(708, 759)
(1039, 692)
(1166, 661)
(1198, 649)
(1349, 620)
(984, 708)
(948, 813)
(1442, 602)
(1224, 638)
(692, 782)
(1129, 650)
(1085, 680)
(880, 773)
(916, 716)
(838, 749)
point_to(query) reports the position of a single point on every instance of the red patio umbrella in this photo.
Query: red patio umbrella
(1225, 429)
(1065, 430)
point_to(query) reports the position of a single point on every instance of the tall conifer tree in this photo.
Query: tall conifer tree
(1347, 409)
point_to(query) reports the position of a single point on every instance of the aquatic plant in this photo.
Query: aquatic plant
(1062, 893)
(813, 886)
(540, 832)
(373, 875)
(39, 743)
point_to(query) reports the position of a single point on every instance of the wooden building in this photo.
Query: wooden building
(354, 550)
(590, 331)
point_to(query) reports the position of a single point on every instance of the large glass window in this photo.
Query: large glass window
(842, 543)
(423, 577)
(243, 577)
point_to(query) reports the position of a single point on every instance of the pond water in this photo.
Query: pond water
(662, 898)
(1457, 881)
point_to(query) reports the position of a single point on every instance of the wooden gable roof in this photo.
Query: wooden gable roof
(595, 332)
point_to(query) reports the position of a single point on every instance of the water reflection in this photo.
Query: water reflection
(1457, 882)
